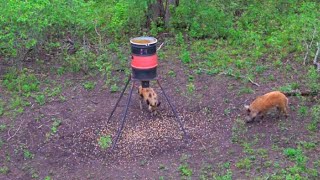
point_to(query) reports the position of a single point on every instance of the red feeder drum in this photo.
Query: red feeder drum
(144, 60)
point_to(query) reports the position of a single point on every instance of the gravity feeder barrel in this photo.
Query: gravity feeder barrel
(144, 59)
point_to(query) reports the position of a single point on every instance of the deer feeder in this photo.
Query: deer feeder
(144, 59)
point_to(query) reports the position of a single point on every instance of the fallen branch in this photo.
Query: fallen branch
(316, 58)
(309, 47)
(97, 32)
(244, 77)
(160, 46)
(15, 133)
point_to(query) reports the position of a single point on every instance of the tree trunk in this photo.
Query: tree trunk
(160, 11)
(167, 16)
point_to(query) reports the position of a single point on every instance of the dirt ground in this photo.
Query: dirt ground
(149, 147)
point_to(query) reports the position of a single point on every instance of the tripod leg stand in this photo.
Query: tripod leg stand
(123, 120)
(123, 117)
(174, 111)
(116, 105)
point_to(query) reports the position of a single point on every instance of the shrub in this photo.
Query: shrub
(201, 20)
(29, 24)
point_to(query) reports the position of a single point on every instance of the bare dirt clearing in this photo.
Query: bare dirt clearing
(152, 147)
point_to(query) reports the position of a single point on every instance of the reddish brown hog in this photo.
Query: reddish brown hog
(262, 104)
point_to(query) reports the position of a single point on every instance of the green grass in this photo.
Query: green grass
(185, 170)
(185, 56)
(239, 129)
(3, 127)
(54, 127)
(172, 73)
(244, 163)
(308, 145)
(302, 111)
(27, 154)
(1, 142)
(1, 108)
(47, 178)
(105, 141)
(89, 85)
(246, 90)
(4, 170)
(40, 99)
(114, 88)
(191, 88)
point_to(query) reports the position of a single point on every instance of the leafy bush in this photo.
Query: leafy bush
(281, 25)
(83, 60)
(27, 24)
(24, 81)
(123, 17)
(201, 20)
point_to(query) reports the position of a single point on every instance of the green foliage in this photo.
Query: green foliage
(156, 27)
(3, 127)
(308, 145)
(299, 169)
(4, 170)
(226, 176)
(26, 24)
(1, 109)
(89, 85)
(185, 170)
(1, 142)
(172, 73)
(122, 16)
(303, 110)
(56, 123)
(180, 39)
(60, 71)
(239, 128)
(83, 60)
(313, 78)
(315, 114)
(27, 154)
(105, 141)
(289, 87)
(17, 102)
(24, 82)
(191, 88)
(185, 56)
(47, 178)
(244, 163)
(40, 99)
(114, 88)
(292, 153)
(246, 90)
(55, 91)
(201, 19)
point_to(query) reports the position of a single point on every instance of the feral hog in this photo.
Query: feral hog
(261, 105)
(150, 97)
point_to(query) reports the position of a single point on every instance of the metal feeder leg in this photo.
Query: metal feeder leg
(116, 105)
(123, 118)
(174, 111)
